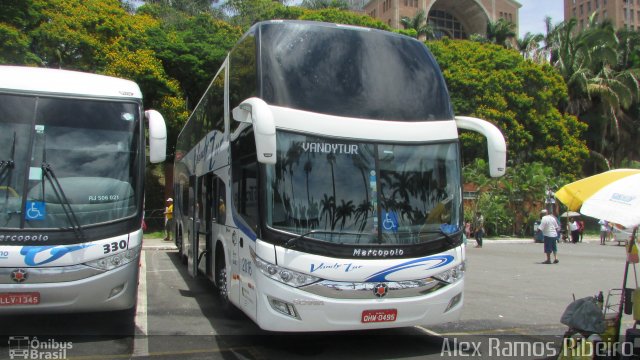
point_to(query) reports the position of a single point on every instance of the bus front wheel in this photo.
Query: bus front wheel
(222, 284)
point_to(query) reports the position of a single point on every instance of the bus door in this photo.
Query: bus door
(195, 231)
(244, 175)
(189, 227)
(218, 220)
(203, 222)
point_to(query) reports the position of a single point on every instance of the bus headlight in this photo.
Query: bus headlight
(452, 275)
(115, 261)
(283, 275)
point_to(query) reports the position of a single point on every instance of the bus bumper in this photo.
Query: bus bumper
(107, 291)
(316, 313)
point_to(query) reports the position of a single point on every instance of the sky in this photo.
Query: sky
(533, 12)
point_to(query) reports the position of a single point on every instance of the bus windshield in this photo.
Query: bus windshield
(364, 193)
(365, 74)
(67, 155)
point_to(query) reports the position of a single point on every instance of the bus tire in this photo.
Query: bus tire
(226, 306)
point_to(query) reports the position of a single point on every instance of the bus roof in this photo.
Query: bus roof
(65, 82)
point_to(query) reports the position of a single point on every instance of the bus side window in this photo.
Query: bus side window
(243, 75)
(218, 201)
(245, 177)
(221, 202)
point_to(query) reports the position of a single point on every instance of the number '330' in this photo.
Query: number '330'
(114, 246)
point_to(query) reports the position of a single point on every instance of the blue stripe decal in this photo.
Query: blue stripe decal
(242, 226)
(56, 253)
(381, 276)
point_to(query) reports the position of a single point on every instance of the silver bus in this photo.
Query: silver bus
(71, 189)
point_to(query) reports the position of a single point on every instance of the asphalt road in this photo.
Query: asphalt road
(510, 297)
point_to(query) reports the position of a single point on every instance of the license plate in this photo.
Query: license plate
(27, 298)
(374, 316)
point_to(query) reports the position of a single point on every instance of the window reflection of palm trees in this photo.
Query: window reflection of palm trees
(410, 190)
(399, 188)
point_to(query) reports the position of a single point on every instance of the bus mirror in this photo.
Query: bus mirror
(496, 146)
(157, 136)
(242, 113)
(258, 113)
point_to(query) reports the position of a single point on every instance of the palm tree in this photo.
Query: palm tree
(328, 205)
(424, 31)
(501, 32)
(529, 45)
(402, 186)
(362, 213)
(569, 59)
(344, 211)
(600, 89)
(307, 170)
(361, 165)
(293, 158)
(331, 159)
(549, 40)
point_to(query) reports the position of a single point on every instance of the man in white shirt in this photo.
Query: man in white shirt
(549, 227)
(604, 231)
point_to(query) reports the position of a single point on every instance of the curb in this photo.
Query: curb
(508, 240)
(157, 244)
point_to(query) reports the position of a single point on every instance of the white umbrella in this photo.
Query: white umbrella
(570, 214)
(613, 196)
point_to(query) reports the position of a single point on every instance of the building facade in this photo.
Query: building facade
(452, 18)
(621, 12)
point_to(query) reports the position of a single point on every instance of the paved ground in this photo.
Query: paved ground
(510, 298)
(157, 244)
(509, 290)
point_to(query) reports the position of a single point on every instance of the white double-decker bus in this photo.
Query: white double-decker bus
(71, 189)
(318, 181)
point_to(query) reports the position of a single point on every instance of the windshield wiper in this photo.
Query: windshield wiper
(292, 242)
(446, 235)
(47, 172)
(6, 164)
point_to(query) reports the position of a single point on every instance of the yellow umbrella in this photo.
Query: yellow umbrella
(611, 195)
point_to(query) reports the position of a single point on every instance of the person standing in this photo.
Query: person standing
(168, 219)
(581, 228)
(549, 227)
(467, 229)
(604, 231)
(479, 228)
(575, 230)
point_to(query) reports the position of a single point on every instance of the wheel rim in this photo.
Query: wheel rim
(222, 284)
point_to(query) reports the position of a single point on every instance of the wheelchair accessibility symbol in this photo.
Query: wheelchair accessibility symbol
(35, 210)
(390, 222)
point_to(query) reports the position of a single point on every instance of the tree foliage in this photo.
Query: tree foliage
(419, 24)
(529, 46)
(192, 48)
(518, 96)
(601, 70)
(172, 49)
(501, 32)
(95, 36)
(510, 203)
(343, 17)
(323, 4)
